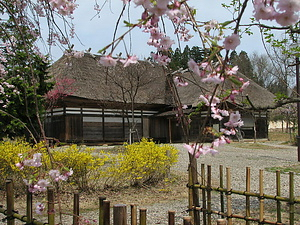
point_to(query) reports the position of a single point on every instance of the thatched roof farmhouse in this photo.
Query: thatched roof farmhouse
(107, 101)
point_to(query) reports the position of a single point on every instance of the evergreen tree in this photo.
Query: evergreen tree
(180, 59)
(243, 61)
(23, 84)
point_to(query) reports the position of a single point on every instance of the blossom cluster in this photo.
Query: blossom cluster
(284, 12)
(110, 61)
(37, 181)
(64, 7)
(216, 74)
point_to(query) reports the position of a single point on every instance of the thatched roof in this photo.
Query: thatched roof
(144, 80)
(259, 97)
(116, 84)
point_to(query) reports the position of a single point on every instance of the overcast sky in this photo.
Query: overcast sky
(96, 32)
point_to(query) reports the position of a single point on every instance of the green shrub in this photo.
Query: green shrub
(142, 162)
(86, 164)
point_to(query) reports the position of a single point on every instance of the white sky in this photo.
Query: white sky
(97, 32)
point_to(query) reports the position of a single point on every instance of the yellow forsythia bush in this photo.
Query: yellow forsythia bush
(9, 156)
(142, 162)
(85, 162)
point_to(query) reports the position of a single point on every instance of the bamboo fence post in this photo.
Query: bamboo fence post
(171, 217)
(203, 193)
(278, 193)
(209, 194)
(143, 216)
(228, 187)
(222, 186)
(221, 222)
(248, 179)
(51, 211)
(194, 192)
(76, 209)
(261, 196)
(292, 199)
(187, 220)
(10, 204)
(101, 205)
(133, 208)
(29, 207)
(106, 212)
(119, 214)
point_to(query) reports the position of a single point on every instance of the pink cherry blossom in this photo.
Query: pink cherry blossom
(35, 161)
(165, 43)
(216, 113)
(231, 42)
(245, 85)
(232, 71)
(220, 141)
(180, 82)
(160, 8)
(264, 12)
(202, 98)
(108, 61)
(227, 132)
(20, 165)
(286, 18)
(130, 60)
(161, 59)
(39, 208)
(234, 120)
(214, 78)
(289, 5)
(193, 150)
(193, 66)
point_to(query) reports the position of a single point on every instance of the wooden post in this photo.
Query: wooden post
(119, 214)
(261, 194)
(10, 204)
(193, 179)
(248, 186)
(209, 194)
(143, 216)
(171, 217)
(278, 193)
(76, 209)
(187, 220)
(133, 214)
(106, 212)
(228, 186)
(51, 211)
(221, 222)
(222, 186)
(203, 193)
(29, 207)
(291, 197)
(101, 205)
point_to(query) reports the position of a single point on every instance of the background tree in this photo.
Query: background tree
(180, 59)
(244, 63)
(274, 71)
(22, 99)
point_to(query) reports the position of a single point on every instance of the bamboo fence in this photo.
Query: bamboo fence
(119, 216)
(226, 194)
(223, 213)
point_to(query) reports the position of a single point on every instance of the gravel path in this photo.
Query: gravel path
(237, 158)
